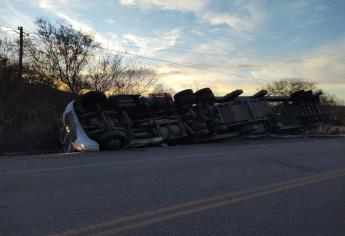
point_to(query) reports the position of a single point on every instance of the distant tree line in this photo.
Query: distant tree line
(285, 87)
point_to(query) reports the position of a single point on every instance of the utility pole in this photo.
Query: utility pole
(20, 63)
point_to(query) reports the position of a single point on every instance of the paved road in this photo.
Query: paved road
(270, 187)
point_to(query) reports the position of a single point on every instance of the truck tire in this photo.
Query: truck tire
(113, 140)
(88, 101)
(205, 95)
(123, 102)
(184, 97)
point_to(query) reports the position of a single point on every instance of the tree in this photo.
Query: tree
(135, 78)
(160, 88)
(117, 75)
(99, 76)
(285, 87)
(59, 54)
(10, 85)
(8, 72)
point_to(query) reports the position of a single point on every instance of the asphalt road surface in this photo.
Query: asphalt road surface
(267, 187)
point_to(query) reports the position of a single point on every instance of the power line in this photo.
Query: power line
(10, 29)
(194, 67)
(16, 30)
(302, 58)
(171, 62)
(7, 27)
(189, 50)
(268, 56)
(263, 56)
(9, 24)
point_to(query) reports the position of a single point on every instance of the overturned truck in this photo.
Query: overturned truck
(94, 122)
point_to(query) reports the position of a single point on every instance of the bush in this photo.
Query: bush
(30, 120)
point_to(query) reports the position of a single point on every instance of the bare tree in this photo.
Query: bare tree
(135, 78)
(285, 87)
(103, 72)
(8, 48)
(117, 75)
(59, 54)
(160, 88)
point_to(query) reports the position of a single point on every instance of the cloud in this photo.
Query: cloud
(108, 40)
(144, 45)
(310, 22)
(11, 16)
(45, 4)
(178, 5)
(180, 78)
(53, 4)
(325, 66)
(197, 32)
(224, 18)
(244, 18)
(110, 21)
(222, 74)
(244, 22)
(151, 45)
(60, 8)
(75, 23)
(322, 7)
(220, 46)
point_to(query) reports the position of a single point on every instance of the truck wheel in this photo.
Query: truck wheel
(184, 97)
(92, 98)
(122, 102)
(205, 95)
(113, 140)
(88, 101)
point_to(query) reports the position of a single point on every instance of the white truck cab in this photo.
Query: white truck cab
(72, 135)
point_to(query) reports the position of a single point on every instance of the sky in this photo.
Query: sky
(221, 44)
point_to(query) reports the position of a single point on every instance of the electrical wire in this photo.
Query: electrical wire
(180, 64)
(194, 67)
(7, 27)
(170, 62)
